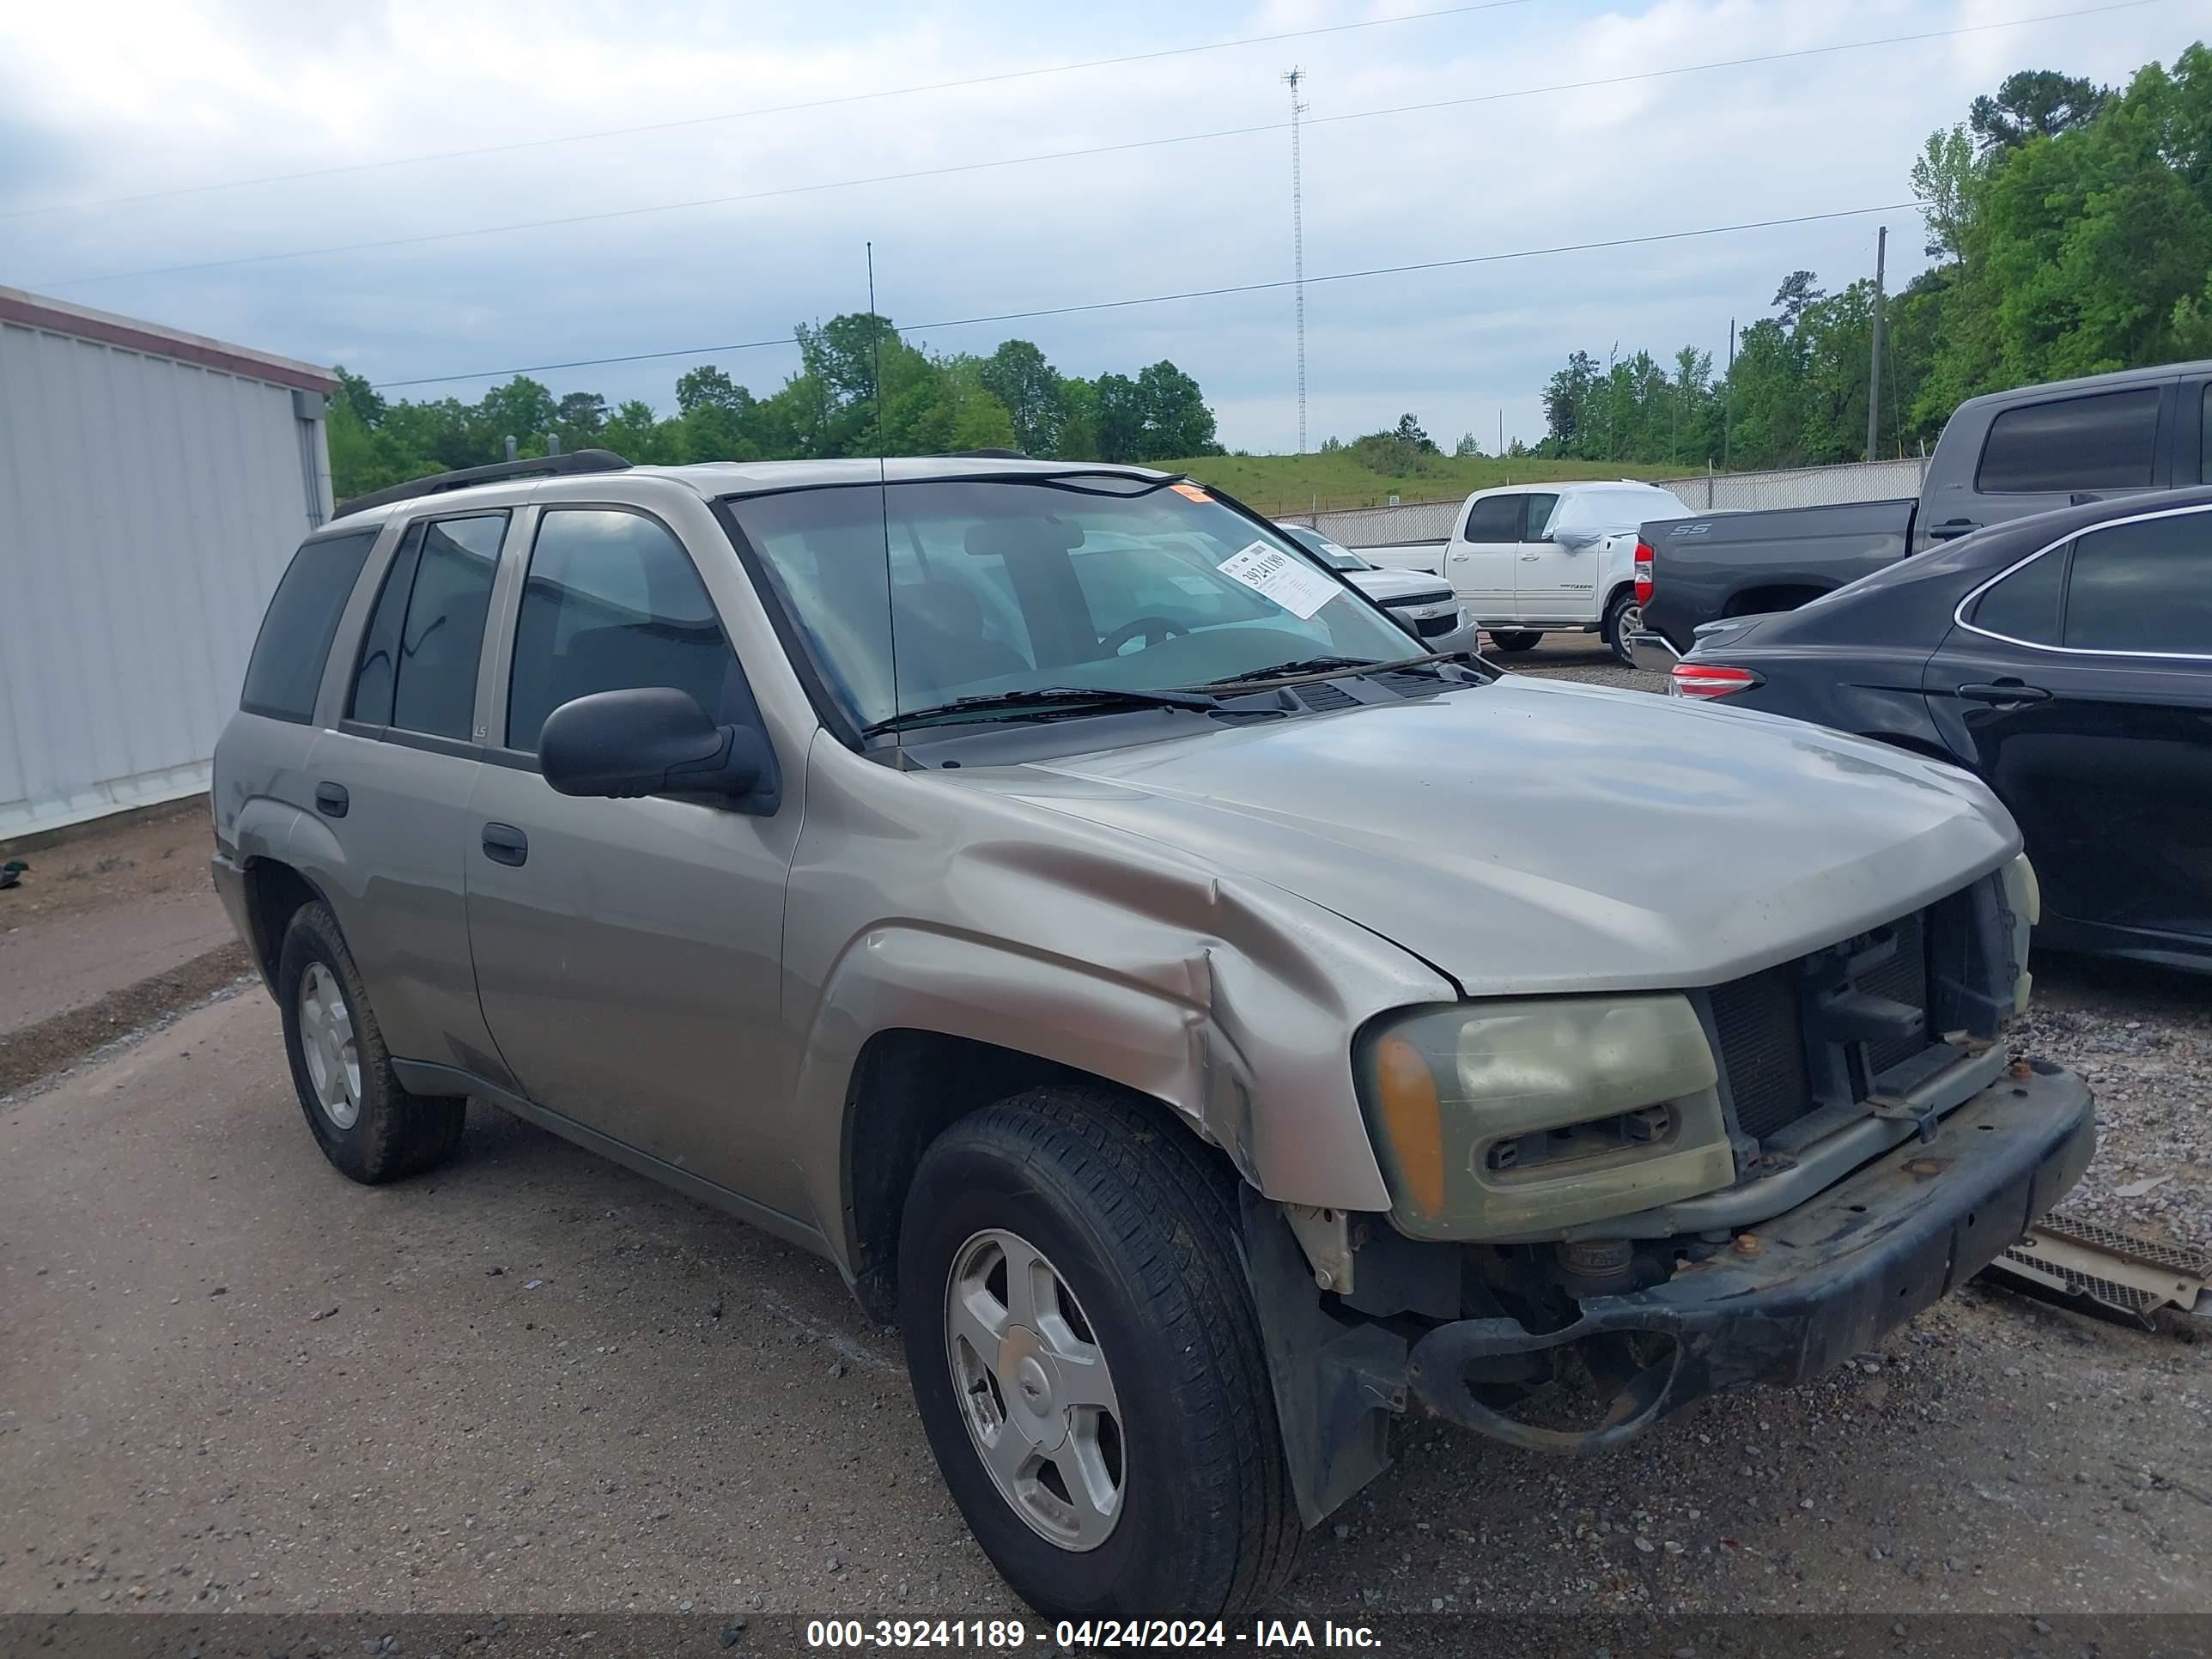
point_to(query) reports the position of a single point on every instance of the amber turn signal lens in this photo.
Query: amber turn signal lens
(1406, 1092)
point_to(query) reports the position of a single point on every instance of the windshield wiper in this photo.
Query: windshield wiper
(1305, 665)
(1008, 705)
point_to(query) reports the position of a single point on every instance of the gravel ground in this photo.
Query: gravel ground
(2143, 1040)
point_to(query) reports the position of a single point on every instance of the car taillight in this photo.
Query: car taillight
(1644, 564)
(1708, 679)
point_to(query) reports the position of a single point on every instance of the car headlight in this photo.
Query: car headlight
(1516, 1118)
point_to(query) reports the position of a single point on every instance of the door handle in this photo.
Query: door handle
(505, 844)
(2005, 694)
(1530, 558)
(1951, 529)
(331, 799)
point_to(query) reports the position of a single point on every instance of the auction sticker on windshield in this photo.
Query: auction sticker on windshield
(1289, 582)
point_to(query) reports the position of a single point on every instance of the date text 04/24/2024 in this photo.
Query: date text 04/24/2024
(1011, 1635)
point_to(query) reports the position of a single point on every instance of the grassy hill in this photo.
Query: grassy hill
(1290, 483)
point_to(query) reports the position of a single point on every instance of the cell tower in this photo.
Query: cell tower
(1293, 78)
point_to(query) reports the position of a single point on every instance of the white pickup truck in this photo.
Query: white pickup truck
(1537, 559)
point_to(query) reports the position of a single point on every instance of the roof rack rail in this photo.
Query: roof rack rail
(985, 455)
(540, 467)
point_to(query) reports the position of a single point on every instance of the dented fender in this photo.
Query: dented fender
(954, 909)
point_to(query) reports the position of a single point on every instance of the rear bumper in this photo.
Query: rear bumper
(1654, 652)
(1825, 1281)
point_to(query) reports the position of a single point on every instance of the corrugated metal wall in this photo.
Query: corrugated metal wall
(147, 507)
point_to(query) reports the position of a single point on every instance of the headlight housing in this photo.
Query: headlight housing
(1515, 1119)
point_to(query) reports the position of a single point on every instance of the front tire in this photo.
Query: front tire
(1088, 1364)
(1515, 640)
(371, 1128)
(1623, 617)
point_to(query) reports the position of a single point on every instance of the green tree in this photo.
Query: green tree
(860, 389)
(1079, 425)
(1947, 178)
(1118, 419)
(2035, 103)
(579, 418)
(641, 437)
(522, 410)
(1176, 421)
(1566, 399)
(1019, 376)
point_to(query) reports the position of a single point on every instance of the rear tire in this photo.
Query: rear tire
(1623, 617)
(1515, 640)
(1135, 1225)
(371, 1128)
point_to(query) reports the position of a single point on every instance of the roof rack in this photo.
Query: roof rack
(985, 455)
(539, 466)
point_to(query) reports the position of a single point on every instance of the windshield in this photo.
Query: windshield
(1328, 552)
(912, 595)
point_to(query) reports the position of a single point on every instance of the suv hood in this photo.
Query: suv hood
(1547, 835)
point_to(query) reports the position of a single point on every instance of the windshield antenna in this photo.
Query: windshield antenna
(877, 378)
(883, 478)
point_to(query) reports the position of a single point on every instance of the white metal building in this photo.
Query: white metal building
(153, 485)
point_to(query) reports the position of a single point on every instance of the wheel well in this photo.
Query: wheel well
(1756, 601)
(1612, 597)
(273, 892)
(907, 1088)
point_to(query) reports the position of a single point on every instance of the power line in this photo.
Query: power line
(1071, 155)
(1164, 299)
(768, 109)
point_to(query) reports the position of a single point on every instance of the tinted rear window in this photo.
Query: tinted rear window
(418, 655)
(282, 675)
(2101, 442)
(1494, 519)
(2145, 587)
(2025, 604)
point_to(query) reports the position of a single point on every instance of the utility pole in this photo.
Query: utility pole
(1727, 404)
(1874, 366)
(1501, 435)
(1292, 79)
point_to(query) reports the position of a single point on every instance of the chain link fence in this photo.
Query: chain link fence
(1382, 527)
(1410, 522)
(1799, 486)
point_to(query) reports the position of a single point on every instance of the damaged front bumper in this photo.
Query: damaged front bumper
(1809, 1288)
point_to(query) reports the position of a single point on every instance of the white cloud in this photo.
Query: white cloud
(147, 97)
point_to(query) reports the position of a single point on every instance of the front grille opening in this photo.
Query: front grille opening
(1762, 1042)
(1903, 978)
(1779, 1073)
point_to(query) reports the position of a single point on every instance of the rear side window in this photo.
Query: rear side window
(418, 659)
(1494, 519)
(2101, 442)
(614, 602)
(1539, 515)
(2143, 586)
(287, 665)
(2025, 604)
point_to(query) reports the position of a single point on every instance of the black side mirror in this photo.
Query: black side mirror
(652, 740)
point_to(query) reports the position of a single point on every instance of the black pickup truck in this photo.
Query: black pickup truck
(2001, 457)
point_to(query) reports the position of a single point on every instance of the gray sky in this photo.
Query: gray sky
(120, 100)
